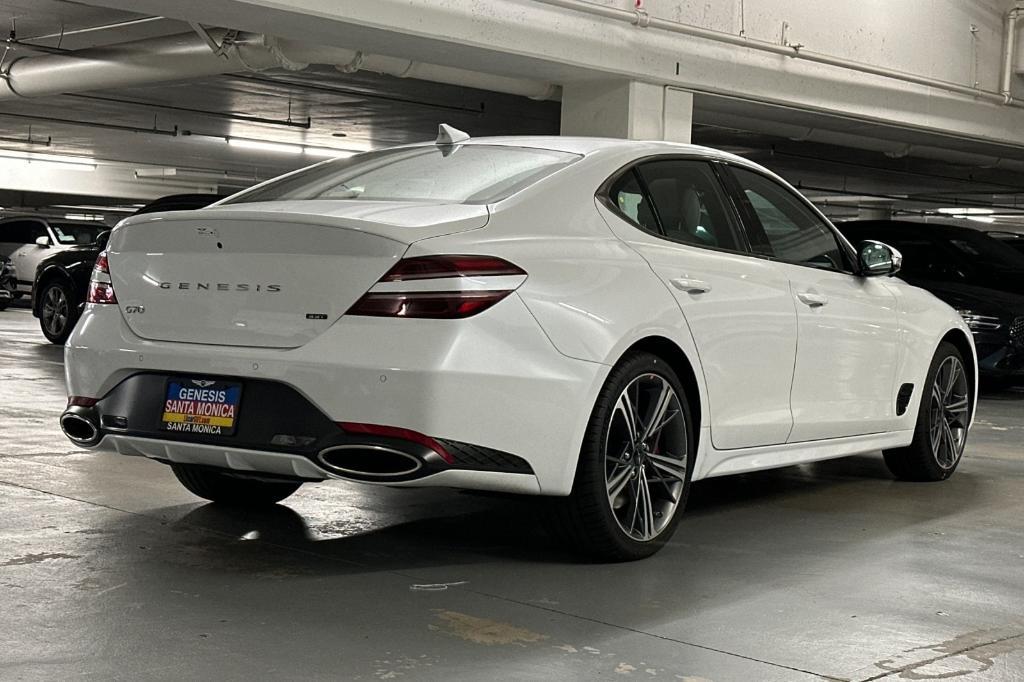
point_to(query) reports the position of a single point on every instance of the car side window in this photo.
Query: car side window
(628, 196)
(689, 203)
(21, 231)
(793, 233)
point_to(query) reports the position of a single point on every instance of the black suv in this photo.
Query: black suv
(62, 280)
(982, 277)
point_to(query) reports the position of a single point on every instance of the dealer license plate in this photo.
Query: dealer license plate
(201, 406)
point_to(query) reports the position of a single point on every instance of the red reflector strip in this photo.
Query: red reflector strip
(81, 401)
(435, 305)
(431, 267)
(401, 434)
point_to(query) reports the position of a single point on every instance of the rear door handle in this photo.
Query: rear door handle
(691, 286)
(812, 299)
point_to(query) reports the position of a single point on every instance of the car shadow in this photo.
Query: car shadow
(512, 530)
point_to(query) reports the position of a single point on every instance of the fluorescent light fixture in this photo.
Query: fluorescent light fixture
(265, 146)
(328, 152)
(981, 219)
(83, 216)
(965, 210)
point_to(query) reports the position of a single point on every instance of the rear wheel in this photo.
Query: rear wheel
(635, 465)
(942, 420)
(223, 488)
(57, 311)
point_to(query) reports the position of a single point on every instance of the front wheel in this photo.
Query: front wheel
(942, 421)
(223, 488)
(635, 465)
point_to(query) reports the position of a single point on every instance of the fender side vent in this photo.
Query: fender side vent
(903, 398)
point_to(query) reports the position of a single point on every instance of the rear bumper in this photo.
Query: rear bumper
(493, 381)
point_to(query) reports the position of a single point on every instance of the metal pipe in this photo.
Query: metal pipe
(189, 55)
(641, 18)
(1009, 52)
(92, 29)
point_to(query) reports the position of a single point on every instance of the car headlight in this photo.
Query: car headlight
(977, 322)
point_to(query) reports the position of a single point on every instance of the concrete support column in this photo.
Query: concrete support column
(628, 109)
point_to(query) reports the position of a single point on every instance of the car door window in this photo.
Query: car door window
(792, 232)
(688, 203)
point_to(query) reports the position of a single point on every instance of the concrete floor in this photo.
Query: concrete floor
(109, 569)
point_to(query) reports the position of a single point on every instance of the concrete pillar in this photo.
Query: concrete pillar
(628, 109)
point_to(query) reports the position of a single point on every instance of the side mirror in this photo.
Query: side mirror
(877, 259)
(43, 241)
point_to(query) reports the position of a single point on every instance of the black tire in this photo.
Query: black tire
(58, 311)
(586, 519)
(4, 302)
(920, 461)
(223, 488)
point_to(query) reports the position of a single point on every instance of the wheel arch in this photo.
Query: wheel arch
(959, 339)
(684, 368)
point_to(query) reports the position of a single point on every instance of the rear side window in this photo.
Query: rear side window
(467, 174)
(628, 196)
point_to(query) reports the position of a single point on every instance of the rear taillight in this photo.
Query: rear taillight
(449, 298)
(431, 267)
(101, 290)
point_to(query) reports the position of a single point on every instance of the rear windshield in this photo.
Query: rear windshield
(470, 174)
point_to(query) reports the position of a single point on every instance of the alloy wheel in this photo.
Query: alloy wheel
(949, 409)
(646, 449)
(55, 310)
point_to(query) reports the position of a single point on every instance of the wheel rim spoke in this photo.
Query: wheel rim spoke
(645, 459)
(949, 413)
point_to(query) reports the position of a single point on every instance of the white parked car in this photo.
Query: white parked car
(27, 240)
(600, 320)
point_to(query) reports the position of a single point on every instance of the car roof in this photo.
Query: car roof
(590, 145)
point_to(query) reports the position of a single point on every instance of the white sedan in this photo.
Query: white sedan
(603, 321)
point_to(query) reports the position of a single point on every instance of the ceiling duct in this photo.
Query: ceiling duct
(217, 51)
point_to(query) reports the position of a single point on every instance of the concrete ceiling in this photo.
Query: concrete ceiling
(848, 166)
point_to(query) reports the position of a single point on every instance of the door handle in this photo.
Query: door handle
(812, 299)
(691, 286)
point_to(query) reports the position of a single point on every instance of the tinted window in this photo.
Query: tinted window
(77, 233)
(468, 174)
(688, 203)
(631, 201)
(22, 231)
(793, 232)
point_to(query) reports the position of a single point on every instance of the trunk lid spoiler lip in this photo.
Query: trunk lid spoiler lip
(402, 222)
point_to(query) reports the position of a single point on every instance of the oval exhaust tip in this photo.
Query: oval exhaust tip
(370, 461)
(79, 429)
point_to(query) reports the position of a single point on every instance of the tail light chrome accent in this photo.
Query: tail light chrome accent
(493, 279)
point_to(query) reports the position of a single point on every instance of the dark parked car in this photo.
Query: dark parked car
(980, 276)
(8, 282)
(62, 280)
(1012, 239)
